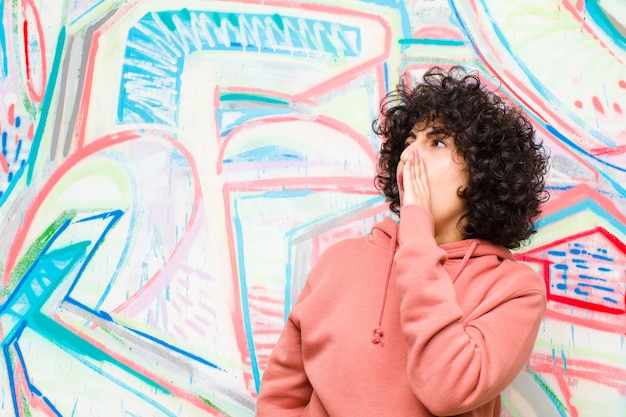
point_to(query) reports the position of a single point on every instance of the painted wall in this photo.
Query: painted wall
(170, 170)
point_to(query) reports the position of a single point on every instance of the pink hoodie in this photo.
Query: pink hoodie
(439, 332)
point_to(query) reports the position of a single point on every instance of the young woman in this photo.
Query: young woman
(431, 316)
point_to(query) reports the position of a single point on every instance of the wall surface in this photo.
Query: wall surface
(170, 170)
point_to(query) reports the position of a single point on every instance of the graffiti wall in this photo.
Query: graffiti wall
(170, 170)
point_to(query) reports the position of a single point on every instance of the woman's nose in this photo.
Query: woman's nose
(405, 154)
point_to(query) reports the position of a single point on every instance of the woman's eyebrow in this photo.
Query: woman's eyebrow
(438, 132)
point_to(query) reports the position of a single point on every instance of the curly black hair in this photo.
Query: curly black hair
(506, 164)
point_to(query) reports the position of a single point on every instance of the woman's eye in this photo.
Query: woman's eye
(439, 143)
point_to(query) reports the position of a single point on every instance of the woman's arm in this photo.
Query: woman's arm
(285, 389)
(456, 364)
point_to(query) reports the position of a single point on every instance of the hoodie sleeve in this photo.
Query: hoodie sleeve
(456, 364)
(285, 389)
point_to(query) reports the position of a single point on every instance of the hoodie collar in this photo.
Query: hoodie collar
(383, 231)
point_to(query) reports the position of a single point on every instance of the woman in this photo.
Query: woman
(432, 316)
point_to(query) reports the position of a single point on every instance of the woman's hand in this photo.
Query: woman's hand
(415, 182)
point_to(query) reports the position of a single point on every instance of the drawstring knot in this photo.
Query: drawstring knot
(378, 336)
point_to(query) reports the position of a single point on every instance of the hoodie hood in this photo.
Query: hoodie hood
(385, 235)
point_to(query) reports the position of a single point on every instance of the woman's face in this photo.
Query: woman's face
(446, 175)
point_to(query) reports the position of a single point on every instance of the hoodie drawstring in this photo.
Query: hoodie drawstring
(468, 255)
(378, 330)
